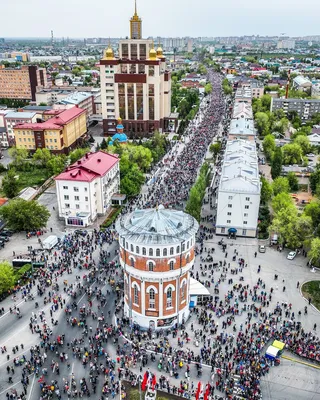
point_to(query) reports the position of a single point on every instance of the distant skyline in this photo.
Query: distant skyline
(80, 18)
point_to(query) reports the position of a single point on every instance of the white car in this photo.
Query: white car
(291, 255)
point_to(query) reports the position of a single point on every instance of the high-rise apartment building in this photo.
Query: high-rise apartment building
(135, 86)
(21, 83)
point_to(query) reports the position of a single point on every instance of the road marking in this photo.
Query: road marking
(71, 375)
(31, 387)
(300, 362)
(15, 384)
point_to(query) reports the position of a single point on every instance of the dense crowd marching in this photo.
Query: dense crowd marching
(232, 352)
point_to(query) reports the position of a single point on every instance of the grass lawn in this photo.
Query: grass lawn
(312, 289)
(32, 178)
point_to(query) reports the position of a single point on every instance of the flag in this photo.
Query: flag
(144, 382)
(41, 380)
(207, 392)
(154, 382)
(199, 390)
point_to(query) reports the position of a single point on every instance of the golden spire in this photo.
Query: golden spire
(159, 50)
(152, 53)
(135, 24)
(108, 54)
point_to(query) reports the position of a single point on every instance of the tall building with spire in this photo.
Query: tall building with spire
(135, 86)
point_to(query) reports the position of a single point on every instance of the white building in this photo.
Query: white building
(85, 189)
(286, 44)
(242, 128)
(315, 90)
(239, 190)
(301, 83)
(242, 110)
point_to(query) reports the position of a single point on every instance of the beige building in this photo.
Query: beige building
(60, 133)
(136, 86)
(21, 83)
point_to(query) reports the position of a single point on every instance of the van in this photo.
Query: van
(274, 239)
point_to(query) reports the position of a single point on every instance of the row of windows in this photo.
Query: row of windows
(245, 214)
(244, 231)
(246, 207)
(77, 198)
(75, 188)
(152, 267)
(229, 222)
(231, 197)
(152, 296)
(165, 251)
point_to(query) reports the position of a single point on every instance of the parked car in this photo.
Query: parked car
(262, 248)
(5, 238)
(291, 255)
(2, 243)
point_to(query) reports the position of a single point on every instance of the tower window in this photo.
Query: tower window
(151, 266)
(144, 251)
(152, 299)
(171, 251)
(151, 251)
(165, 252)
(135, 295)
(158, 252)
(171, 265)
(169, 298)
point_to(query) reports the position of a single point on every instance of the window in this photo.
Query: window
(247, 198)
(245, 214)
(187, 245)
(86, 198)
(77, 206)
(67, 205)
(171, 265)
(245, 222)
(244, 232)
(76, 189)
(132, 262)
(183, 291)
(169, 297)
(178, 249)
(246, 207)
(76, 198)
(131, 247)
(165, 252)
(228, 221)
(150, 266)
(171, 251)
(183, 247)
(151, 251)
(158, 253)
(137, 249)
(188, 259)
(152, 299)
(135, 295)
(230, 205)
(229, 213)
(230, 198)
(66, 197)
(144, 251)
(85, 189)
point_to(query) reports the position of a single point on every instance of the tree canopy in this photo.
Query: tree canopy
(6, 277)
(22, 215)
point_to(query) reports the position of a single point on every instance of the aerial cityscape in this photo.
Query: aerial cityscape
(160, 201)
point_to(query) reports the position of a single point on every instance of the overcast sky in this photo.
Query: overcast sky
(104, 18)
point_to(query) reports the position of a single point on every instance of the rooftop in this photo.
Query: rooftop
(20, 115)
(301, 80)
(37, 108)
(157, 226)
(57, 122)
(242, 109)
(242, 126)
(91, 166)
(76, 98)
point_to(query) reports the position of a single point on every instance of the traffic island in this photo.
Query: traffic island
(311, 290)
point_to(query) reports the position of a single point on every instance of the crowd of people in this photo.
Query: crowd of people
(223, 343)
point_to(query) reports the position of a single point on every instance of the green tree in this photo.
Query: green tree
(276, 165)
(215, 149)
(315, 179)
(42, 156)
(314, 252)
(293, 181)
(266, 191)
(304, 143)
(208, 88)
(262, 123)
(269, 146)
(10, 185)
(6, 277)
(313, 210)
(104, 144)
(56, 164)
(292, 153)
(280, 185)
(76, 154)
(19, 156)
(282, 201)
(21, 215)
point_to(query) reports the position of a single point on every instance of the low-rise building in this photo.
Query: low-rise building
(14, 118)
(242, 128)
(83, 100)
(305, 108)
(301, 83)
(239, 190)
(60, 134)
(257, 89)
(243, 95)
(85, 189)
(242, 110)
(315, 90)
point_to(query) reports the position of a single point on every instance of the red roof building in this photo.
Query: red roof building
(86, 188)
